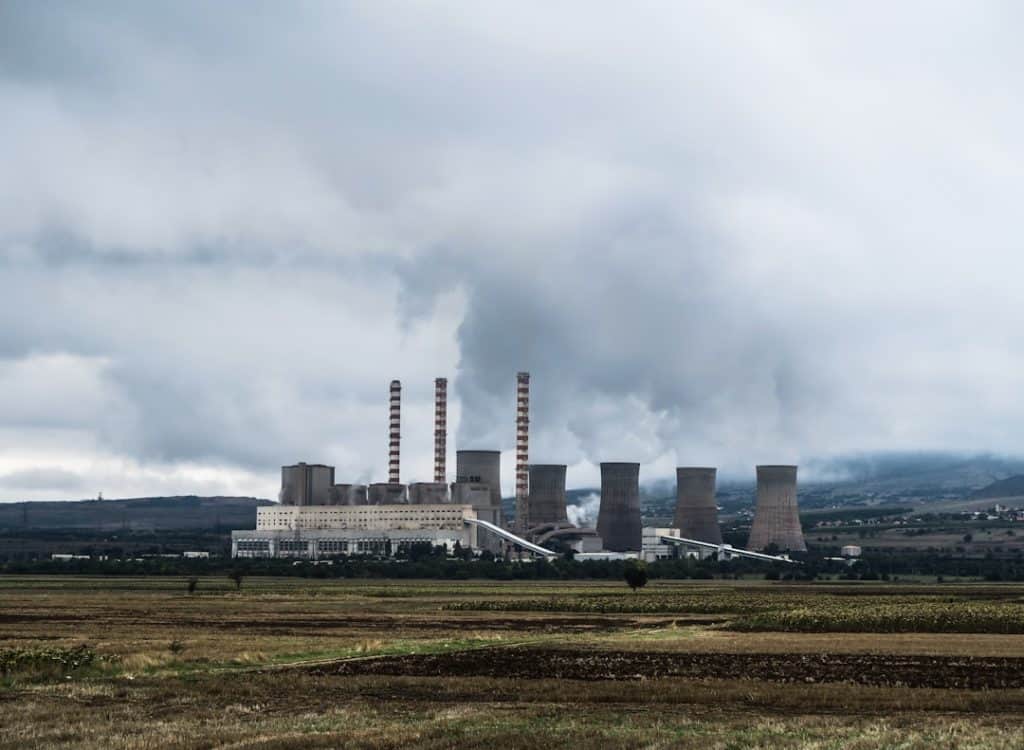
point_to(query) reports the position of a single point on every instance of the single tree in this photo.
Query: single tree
(236, 576)
(191, 584)
(635, 574)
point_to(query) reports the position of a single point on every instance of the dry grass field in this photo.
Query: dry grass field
(304, 663)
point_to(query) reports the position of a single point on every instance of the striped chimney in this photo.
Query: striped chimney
(395, 432)
(522, 450)
(440, 427)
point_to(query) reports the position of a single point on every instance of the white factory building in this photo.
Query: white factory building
(315, 531)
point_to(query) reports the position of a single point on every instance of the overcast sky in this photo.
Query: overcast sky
(716, 233)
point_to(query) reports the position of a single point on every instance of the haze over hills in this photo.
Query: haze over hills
(134, 514)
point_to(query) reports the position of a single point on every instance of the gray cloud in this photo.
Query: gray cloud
(714, 234)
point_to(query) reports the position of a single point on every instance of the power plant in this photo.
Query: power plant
(776, 517)
(696, 510)
(546, 503)
(618, 520)
(318, 517)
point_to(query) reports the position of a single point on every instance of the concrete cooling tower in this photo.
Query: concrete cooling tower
(547, 494)
(696, 510)
(618, 520)
(480, 467)
(776, 518)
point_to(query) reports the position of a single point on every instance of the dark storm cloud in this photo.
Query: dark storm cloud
(714, 234)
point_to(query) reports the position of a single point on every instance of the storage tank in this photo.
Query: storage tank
(777, 517)
(696, 510)
(547, 494)
(618, 520)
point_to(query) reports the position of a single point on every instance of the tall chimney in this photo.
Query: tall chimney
(395, 432)
(440, 427)
(522, 450)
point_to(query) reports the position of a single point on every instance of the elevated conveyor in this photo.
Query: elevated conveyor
(509, 536)
(725, 551)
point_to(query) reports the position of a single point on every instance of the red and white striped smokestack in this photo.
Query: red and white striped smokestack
(440, 427)
(522, 450)
(395, 432)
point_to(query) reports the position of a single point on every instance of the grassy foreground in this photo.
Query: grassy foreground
(140, 663)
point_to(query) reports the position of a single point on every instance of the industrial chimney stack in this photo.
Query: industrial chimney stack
(395, 432)
(440, 428)
(522, 450)
(776, 518)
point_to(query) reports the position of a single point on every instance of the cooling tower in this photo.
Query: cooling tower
(696, 510)
(618, 520)
(428, 493)
(547, 494)
(480, 467)
(341, 494)
(386, 493)
(776, 518)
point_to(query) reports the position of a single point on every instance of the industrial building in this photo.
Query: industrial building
(776, 516)
(618, 518)
(314, 532)
(318, 517)
(696, 510)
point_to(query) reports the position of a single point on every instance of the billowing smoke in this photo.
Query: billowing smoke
(584, 514)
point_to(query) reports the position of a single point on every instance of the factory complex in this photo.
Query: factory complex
(318, 518)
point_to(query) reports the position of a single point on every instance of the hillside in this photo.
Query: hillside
(1009, 487)
(134, 514)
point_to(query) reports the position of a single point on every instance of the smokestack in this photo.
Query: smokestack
(395, 432)
(523, 520)
(776, 518)
(440, 428)
(547, 494)
(696, 510)
(618, 520)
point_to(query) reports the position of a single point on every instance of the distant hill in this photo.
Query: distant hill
(134, 514)
(1009, 487)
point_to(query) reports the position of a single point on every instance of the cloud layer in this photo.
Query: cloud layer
(715, 234)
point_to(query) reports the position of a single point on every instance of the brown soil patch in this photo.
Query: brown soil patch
(971, 673)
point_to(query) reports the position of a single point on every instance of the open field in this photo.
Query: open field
(305, 663)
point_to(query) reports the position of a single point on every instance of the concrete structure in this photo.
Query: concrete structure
(547, 495)
(523, 520)
(655, 547)
(306, 484)
(776, 517)
(576, 538)
(618, 520)
(386, 493)
(480, 497)
(428, 493)
(395, 432)
(696, 510)
(480, 467)
(440, 429)
(324, 531)
(340, 494)
(357, 495)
